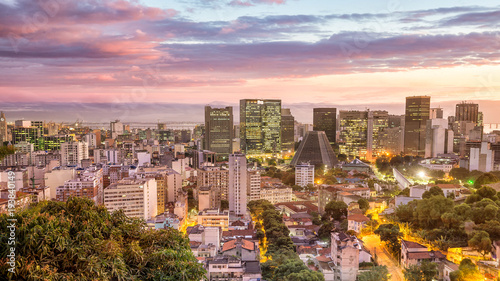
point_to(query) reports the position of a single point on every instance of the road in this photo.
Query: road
(372, 242)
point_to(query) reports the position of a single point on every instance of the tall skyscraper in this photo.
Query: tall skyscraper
(219, 131)
(325, 119)
(287, 131)
(237, 190)
(361, 133)
(3, 128)
(260, 126)
(416, 116)
(467, 112)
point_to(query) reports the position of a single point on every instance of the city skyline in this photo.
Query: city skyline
(191, 53)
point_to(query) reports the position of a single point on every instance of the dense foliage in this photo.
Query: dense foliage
(376, 273)
(390, 234)
(78, 240)
(284, 263)
(466, 271)
(425, 271)
(449, 224)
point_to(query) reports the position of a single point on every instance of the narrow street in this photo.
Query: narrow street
(373, 243)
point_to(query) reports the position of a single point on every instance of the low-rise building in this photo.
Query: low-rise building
(276, 194)
(232, 268)
(356, 222)
(214, 218)
(413, 253)
(244, 249)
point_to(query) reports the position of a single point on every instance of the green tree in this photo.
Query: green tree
(466, 271)
(433, 191)
(6, 150)
(487, 192)
(459, 173)
(429, 211)
(77, 240)
(485, 178)
(364, 204)
(425, 271)
(224, 204)
(376, 273)
(481, 242)
(325, 230)
(390, 234)
(336, 209)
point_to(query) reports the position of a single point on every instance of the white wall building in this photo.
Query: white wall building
(253, 184)
(482, 159)
(72, 153)
(136, 197)
(439, 139)
(237, 189)
(304, 174)
(143, 159)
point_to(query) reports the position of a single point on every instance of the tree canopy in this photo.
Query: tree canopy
(336, 210)
(376, 273)
(77, 240)
(425, 271)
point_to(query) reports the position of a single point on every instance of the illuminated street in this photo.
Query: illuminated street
(372, 242)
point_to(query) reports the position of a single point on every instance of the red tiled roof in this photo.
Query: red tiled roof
(325, 251)
(448, 186)
(245, 244)
(244, 232)
(426, 255)
(358, 218)
(323, 259)
(238, 223)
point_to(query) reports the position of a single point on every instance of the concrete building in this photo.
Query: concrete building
(208, 198)
(237, 189)
(304, 174)
(214, 176)
(416, 115)
(136, 197)
(357, 222)
(232, 268)
(467, 112)
(260, 126)
(482, 159)
(413, 253)
(88, 183)
(72, 153)
(3, 129)
(345, 256)
(325, 119)
(219, 130)
(214, 218)
(243, 249)
(438, 138)
(116, 129)
(361, 132)
(276, 194)
(287, 131)
(57, 177)
(253, 185)
(315, 150)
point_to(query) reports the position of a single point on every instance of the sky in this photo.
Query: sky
(148, 60)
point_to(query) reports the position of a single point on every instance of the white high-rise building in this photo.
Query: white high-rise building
(72, 153)
(136, 197)
(482, 159)
(439, 139)
(116, 129)
(304, 174)
(253, 185)
(90, 139)
(237, 190)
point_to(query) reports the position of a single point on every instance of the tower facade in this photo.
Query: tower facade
(325, 119)
(416, 115)
(237, 190)
(219, 130)
(260, 126)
